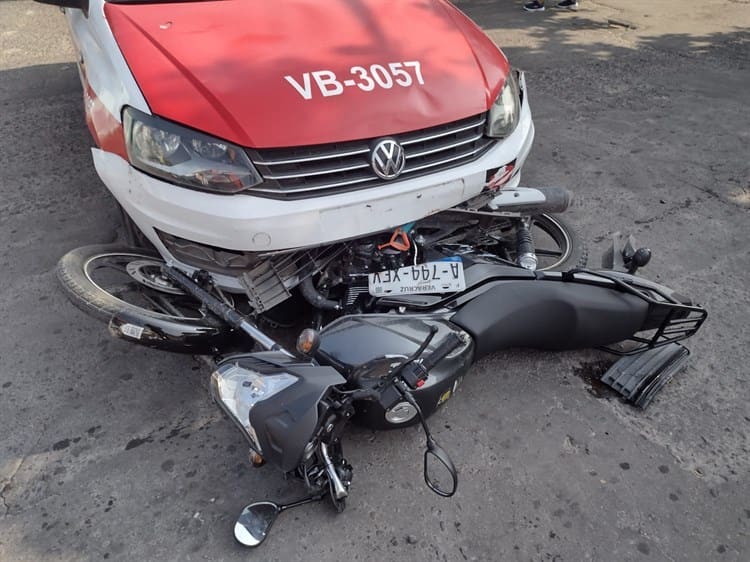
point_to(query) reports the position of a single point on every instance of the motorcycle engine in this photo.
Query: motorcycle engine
(369, 258)
(365, 258)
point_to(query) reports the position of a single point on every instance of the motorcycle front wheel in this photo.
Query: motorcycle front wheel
(105, 280)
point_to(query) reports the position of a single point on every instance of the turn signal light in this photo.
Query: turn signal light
(255, 459)
(308, 342)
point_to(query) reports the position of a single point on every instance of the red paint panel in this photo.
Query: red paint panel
(103, 126)
(220, 67)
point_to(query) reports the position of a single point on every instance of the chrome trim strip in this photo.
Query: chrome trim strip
(313, 188)
(311, 158)
(445, 161)
(316, 173)
(479, 123)
(446, 147)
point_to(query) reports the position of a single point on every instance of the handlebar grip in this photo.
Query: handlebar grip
(451, 342)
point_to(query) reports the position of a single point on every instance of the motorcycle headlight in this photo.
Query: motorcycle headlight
(238, 390)
(504, 113)
(185, 157)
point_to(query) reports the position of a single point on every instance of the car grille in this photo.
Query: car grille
(312, 171)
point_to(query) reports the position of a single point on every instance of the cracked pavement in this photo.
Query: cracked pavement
(115, 452)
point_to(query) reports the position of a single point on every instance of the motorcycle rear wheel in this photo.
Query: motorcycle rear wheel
(104, 280)
(557, 245)
(571, 251)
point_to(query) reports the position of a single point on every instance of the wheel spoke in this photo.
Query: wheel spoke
(168, 306)
(161, 304)
(119, 290)
(550, 253)
(112, 263)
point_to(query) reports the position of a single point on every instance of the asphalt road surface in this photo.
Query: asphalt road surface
(109, 451)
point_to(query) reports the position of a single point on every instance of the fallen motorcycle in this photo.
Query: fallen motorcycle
(396, 361)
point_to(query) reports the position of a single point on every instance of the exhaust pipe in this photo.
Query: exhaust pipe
(532, 200)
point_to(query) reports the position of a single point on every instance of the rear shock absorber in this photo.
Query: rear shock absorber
(525, 255)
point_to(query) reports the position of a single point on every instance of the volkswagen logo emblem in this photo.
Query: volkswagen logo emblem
(388, 159)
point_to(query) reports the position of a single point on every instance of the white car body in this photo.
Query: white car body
(248, 222)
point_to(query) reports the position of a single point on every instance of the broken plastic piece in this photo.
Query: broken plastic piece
(639, 377)
(399, 241)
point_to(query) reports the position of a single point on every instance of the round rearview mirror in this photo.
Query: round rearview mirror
(254, 523)
(439, 473)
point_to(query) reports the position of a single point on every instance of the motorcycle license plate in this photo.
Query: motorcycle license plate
(430, 277)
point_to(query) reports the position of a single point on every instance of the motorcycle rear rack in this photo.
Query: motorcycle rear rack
(680, 321)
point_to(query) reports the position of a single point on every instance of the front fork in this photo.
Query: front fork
(338, 490)
(324, 468)
(339, 473)
(327, 473)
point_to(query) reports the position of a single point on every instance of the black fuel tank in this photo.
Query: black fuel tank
(356, 340)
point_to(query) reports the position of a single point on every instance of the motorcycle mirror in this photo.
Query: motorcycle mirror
(254, 522)
(440, 474)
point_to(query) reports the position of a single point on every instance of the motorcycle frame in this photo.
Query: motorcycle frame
(676, 320)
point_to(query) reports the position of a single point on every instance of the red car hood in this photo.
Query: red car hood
(222, 66)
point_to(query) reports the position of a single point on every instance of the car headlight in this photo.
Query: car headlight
(504, 113)
(238, 390)
(185, 157)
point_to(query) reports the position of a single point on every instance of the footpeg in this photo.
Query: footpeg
(639, 377)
